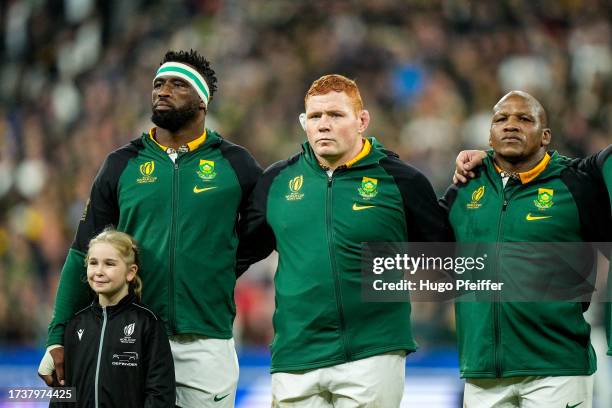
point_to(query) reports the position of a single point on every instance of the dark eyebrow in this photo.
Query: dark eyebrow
(173, 79)
(504, 113)
(177, 79)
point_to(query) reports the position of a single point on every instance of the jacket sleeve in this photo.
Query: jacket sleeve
(248, 173)
(73, 291)
(257, 239)
(594, 164)
(447, 201)
(605, 164)
(68, 369)
(599, 167)
(426, 221)
(160, 387)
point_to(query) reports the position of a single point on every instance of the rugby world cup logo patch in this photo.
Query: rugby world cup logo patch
(146, 170)
(295, 185)
(476, 197)
(128, 331)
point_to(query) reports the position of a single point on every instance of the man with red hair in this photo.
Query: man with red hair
(316, 209)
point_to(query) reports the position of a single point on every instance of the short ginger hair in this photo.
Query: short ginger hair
(337, 83)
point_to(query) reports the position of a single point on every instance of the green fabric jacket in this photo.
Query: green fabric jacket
(184, 216)
(599, 166)
(606, 166)
(506, 339)
(317, 223)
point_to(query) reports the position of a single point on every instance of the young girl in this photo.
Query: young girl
(116, 350)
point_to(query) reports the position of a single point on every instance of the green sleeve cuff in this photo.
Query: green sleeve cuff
(73, 294)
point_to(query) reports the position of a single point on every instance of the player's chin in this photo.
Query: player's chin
(324, 142)
(325, 150)
(97, 286)
(511, 151)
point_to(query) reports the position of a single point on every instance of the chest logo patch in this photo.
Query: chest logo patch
(125, 359)
(206, 170)
(476, 197)
(146, 170)
(358, 207)
(128, 331)
(368, 188)
(80, 333)
(531, 217)
(295, 185)
(201, 190)
(545, 198)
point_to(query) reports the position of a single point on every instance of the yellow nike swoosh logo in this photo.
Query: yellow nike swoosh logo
(357, 207)
(530, 217)
(201, 190)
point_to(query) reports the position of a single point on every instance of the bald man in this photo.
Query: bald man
(527, 354)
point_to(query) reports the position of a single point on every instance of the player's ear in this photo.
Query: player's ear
(131, 274)
(302, 119)
(364, 120)
(546, 137)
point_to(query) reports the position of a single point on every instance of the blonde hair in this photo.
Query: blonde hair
(127, 248)
(337, 83)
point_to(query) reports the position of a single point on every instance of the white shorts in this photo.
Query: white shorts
(206, 371)
(529, 392)
(371, 382)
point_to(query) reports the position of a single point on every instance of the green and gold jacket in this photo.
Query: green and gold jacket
(599, 166)
(317, 223)
(184, 215)
(557, 203)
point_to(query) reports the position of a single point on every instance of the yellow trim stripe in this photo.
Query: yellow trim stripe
(367, 146)
(194, 144)
(152, 136)
(528, 176)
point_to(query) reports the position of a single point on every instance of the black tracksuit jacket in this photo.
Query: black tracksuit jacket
(118, 356)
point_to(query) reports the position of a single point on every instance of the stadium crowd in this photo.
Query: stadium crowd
(76, 79)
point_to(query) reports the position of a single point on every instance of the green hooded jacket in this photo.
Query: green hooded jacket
(184, 216)
(554, 203)
(317, 223)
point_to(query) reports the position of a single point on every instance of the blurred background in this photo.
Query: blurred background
(76, 84)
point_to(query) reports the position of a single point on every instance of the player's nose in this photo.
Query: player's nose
(324, 123)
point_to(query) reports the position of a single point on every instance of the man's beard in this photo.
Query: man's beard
(175, 119)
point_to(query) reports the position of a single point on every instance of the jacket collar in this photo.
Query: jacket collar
(209, 138)
(113, 310)
(371, 153)
(549, 166)
(191, 146)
